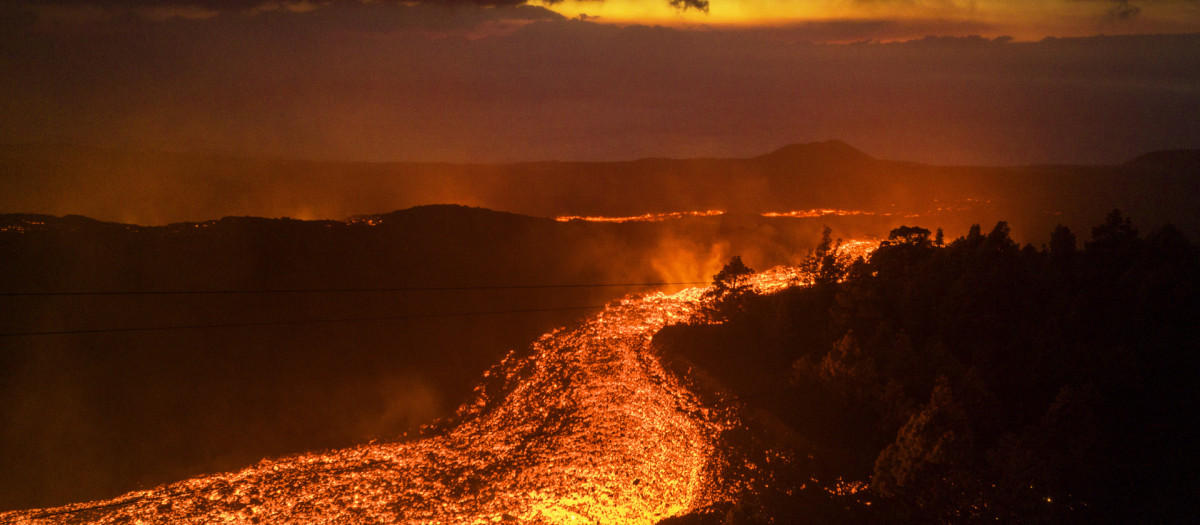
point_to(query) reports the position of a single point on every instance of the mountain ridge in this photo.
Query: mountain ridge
(830, 151)
(162, 189)
(830, 147)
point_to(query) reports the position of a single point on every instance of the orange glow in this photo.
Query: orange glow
(588, 427)
(649, 217)
(738, 12)
(855, 248)
(816, 212)
(847, 488)
(988, 18)
(366, 220)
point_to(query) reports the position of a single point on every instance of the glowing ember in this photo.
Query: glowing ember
(649, 217)
(855, 248)
(816, 212)
(367, 220)
(21, 225)
(587, 428)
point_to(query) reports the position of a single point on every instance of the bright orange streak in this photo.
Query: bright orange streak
(649, 217)
(816, 212)
(658, 217)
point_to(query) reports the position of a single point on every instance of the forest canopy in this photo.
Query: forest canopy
(972, 380)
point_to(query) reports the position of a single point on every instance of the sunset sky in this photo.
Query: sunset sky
(1003, 82)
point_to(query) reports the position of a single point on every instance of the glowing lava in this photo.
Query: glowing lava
(659, 217)
(588, 427)
(649, 217)
(816, 212)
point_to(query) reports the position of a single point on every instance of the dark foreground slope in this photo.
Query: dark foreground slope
(976, 381)
(91, 415)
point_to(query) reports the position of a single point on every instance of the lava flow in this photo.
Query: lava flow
(649, 217)
(588, 427)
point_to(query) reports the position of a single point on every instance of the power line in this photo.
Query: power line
(343, 290)
(85, 331)
(295, 322)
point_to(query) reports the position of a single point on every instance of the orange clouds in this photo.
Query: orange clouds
(1022, 19)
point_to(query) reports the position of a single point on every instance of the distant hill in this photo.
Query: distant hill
(828, 153)
(155, 188)
(1177, 161)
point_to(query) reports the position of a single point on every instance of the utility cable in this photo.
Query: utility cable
(332, 320)
(344, 290)
(295, 322)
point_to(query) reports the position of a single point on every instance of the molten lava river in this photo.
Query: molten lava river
(587, 427)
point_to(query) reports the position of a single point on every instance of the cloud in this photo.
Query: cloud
(684, 5)
(17, 15)
(254, 5)
(921, 5)
(403, 82)
(1127, 10)
(1123, 10)
(443, 18)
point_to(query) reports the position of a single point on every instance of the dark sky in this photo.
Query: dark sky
(462, 81)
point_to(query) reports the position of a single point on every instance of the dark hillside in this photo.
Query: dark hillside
(977, 380)
(1185, 161)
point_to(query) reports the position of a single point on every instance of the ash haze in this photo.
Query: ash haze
(985, 82)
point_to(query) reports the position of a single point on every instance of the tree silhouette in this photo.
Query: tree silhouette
(928, 462)
(729, 290)
(910, 235)
(823, 262)
(1062, 242)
